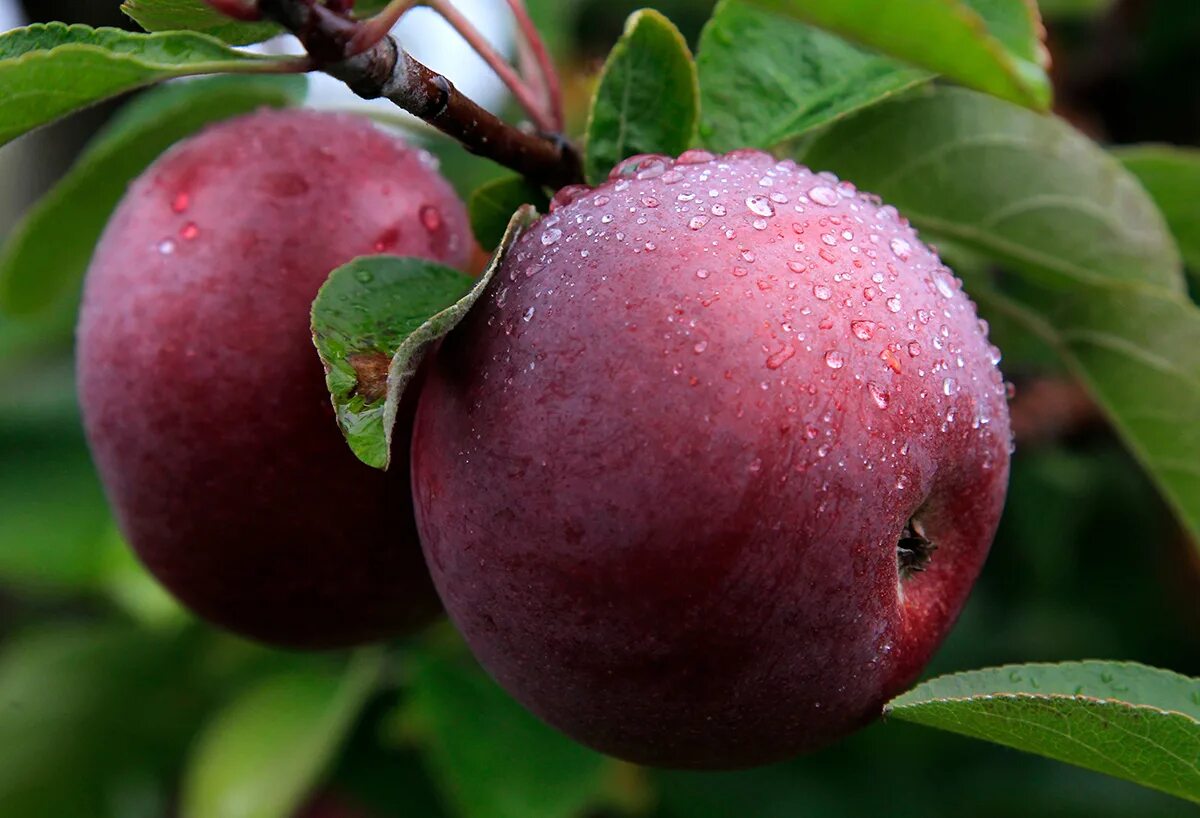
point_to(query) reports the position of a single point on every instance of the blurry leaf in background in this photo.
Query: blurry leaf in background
(991, 45)
(49, 250)
(1172, 177)
(52, 512)
(1127, 720)
(647, 100)
(92, 718)
(1101, 278)
(50, 70)
(196, 15)
(493, 204)
(492, 758)
(766, 79)
(130, 586)
(263, 754)
(1072, 9)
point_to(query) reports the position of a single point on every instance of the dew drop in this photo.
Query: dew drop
(878, 394)
(863, 330)
(189, 231)
(893, 303)
(948, 386)
(822, 292)
(889, 358)
(796, 266)
(822, 195)
(181, 202)
(760, 206)
(779, 358)
(943, 285)
(901, 248)
(166, 247)
(718, 209)
(834, 359)
(698, 222)
(914, 349)
(550, 236)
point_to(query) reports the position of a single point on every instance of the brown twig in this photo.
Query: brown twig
(384, 69)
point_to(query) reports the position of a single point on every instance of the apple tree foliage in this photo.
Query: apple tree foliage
(1078, 256)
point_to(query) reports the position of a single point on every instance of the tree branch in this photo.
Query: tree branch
(385, 69)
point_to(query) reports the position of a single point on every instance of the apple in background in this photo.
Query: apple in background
(204, 400)
(709, 471)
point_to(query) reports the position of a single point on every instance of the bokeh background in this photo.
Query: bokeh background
(111, 697)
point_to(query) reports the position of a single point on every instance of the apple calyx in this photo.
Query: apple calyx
(914, 550)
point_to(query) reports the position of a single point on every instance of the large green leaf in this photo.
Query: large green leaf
(262, 755)
(49, 70)
(648, 98)
(1100, 275)
(1172, 176)
(491, 758)
(765, 78)
(48, 251)
(196, 15)
(991, 45)
(1126, 720)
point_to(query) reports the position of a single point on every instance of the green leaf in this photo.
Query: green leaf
(766, 79)
(54, 514)
(49, 249)
(492, 206)
(373, 323)
(990, 45)
(491, 758)
(262, 755)
(1126, 720)
(196, 15)
(1172, 176)
(50, 70)
(1098, 271)
(68, 742)
(360, 317)
(648, 97)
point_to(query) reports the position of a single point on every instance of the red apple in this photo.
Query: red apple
(204, 399)
(677, 472)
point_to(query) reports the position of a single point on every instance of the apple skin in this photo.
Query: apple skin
(661, 470)
(204, 399)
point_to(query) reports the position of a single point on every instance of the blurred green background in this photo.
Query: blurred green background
(114, 702)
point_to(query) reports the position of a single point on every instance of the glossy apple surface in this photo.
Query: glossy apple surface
(677, 470)
(203, 396)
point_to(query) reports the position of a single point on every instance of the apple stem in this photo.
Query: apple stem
(382, 68)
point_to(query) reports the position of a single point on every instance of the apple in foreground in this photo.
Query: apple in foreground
(709, 471)
(204, 400)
